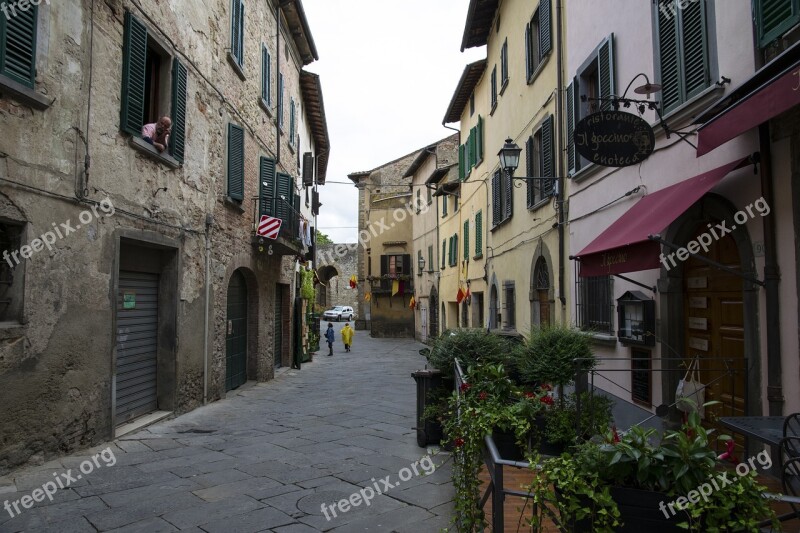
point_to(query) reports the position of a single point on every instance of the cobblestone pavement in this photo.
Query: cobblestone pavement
(264, 459)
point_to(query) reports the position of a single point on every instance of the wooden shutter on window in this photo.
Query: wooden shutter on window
(695, 48)
(528, 55)
(571, 120)
(462, 172)
(265, 75)
(266, 186)
(280, 100)
(134, 61)
(18, 45)
(444, 252)
(479, 140)
(479, 233)
(384, 265)
(406, 264)
(308, 169)
(237, 31)
(497, 208)
(235, 162)
(177, 139)
(529, 171)
(545, 28)
(774, 18)
(547, 157)
(466, 240)
(285, 197)
(509, 197)
(668, 54)
(430, 258)
(605, 71)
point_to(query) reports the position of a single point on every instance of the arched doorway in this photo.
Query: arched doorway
(493, 322)
(236, 332)
(714, 325)
(433, 330)
(540, 294)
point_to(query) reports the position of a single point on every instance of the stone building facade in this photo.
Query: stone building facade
(134, 282)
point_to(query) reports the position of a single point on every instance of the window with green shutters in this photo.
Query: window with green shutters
(452, 253)
(267, 186)
(280, 100)
(140, 104)
(502, 197)
(235, 162)
(444, 251)
(291, 121)
(494, 87)
(478, 234)
(18, 45)
(596, 78)
(774, 18)
(683, 57)
(462, 163)
(266, 75)
(504, 65)
(466, 240)
(540, 162)
(284, 200)
(237, 31)
(538, 38)
(444, 205)
(470, 154)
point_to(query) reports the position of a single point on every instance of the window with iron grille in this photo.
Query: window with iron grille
(595, 306)
(641, 377)
(683, 52)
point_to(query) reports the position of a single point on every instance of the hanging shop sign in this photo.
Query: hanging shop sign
(614, 138)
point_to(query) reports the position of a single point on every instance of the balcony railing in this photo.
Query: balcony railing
(289, 214)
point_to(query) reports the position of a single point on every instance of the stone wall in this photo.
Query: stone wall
(344, 258)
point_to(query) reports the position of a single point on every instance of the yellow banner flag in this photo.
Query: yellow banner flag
(395, 286)
(368, 297)
(413, 303)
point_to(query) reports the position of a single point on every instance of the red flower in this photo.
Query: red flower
(529, 395)
(615, 434)
(547, 387)
(458, 443)
(547, 400)
(465, 387)
(482, 396)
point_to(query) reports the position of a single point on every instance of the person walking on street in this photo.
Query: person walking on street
(330, 336)
(347, 336)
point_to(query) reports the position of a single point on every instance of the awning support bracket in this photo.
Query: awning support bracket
(642, 285)
(706, 260)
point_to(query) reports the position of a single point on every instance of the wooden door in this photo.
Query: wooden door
(714, 328)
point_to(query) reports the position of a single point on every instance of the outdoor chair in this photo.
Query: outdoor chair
(790, 448)
(791, 425)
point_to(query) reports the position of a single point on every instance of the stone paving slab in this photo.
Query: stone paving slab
(265, 459)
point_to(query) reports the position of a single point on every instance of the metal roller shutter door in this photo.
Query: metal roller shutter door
(137, 345)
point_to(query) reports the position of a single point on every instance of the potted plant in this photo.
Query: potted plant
(561, 423)
(550, 353)
(639, 482)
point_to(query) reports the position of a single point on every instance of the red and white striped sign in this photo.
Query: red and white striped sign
(269, 227)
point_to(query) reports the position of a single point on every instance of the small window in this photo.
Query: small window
(154, 85)
(291, 122)
(266, 76)
(472, 104)
(280, 100)
(510, 306)
(11, 273)
(396, 265)
(538, 38)
(430, 258)
(235, 162)
(444, 205)
(237, 32)
(494, 87)
(504, 65)
(430, 195)
(18, 42)
(540, 162)
(595, 306)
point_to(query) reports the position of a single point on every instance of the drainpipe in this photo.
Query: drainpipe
(209, 223)
(771, 280)
(559, 150)
(279, 89)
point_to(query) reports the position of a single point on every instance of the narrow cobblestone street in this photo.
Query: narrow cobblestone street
(264, 459)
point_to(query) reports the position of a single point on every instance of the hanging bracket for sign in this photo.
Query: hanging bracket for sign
(614, 138)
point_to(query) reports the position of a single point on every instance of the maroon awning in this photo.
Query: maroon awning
(625, 247)
(758, 100)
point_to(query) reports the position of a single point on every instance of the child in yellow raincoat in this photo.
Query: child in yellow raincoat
(347, 336)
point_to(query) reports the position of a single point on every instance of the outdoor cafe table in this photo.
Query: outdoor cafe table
(768, 429)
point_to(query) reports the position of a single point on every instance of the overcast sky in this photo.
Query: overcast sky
(388, 71)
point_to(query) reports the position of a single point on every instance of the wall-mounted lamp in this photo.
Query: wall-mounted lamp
(421, 263)
(509, 162)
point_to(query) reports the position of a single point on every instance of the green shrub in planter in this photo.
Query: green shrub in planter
(561, 420)
(550, 352)
(469, 346)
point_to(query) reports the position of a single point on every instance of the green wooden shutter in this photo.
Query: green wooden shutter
(668, 54)
(528, 52)
(280, 100)
(479, 234)
(266, 186)
(497, 208)
(466, 240)
(266, 66)
(237, 31)
(479, 140)
(605, 71)
(694, 48)
(134, 60)
(284, 197)
(444, 251)
(545, 28)
(461, 166)
(444, 205)
(547, 157)
(177, 139)
(529, 171)
(18, 45)
(509, 198)
(774, 18)
(570, 107)
(235, 162)
(291, 121)
(455, 250)
(430, 258)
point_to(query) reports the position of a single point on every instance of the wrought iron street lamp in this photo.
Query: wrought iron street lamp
(421, 263)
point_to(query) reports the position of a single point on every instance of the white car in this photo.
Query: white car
(338, 313)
